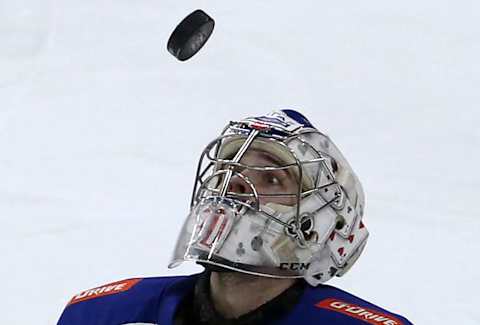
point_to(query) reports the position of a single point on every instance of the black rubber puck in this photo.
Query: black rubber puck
(190, 35)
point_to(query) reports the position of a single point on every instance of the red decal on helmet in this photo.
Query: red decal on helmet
(368, 315)
(259, 126)
(215, 228)
(332, 235)
(105, 290)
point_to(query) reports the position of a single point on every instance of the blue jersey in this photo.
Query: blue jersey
(153, 301)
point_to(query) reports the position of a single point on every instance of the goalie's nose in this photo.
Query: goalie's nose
(237, 186)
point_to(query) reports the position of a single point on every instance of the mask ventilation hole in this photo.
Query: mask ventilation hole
(340, 222)
(334, 165)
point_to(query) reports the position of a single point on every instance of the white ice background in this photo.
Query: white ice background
(101, 128)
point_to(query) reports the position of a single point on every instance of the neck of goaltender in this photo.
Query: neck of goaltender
(234, 294)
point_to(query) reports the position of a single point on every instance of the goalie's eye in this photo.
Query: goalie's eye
(259, 173)
(272, 179)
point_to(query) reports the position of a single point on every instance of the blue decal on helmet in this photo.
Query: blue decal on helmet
(298, 117)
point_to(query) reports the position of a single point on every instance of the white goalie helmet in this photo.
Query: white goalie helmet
(274, 197)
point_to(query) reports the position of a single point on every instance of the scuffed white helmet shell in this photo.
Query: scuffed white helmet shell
(320, 237)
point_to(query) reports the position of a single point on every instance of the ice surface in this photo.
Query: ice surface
(98, 147)
(25, 29)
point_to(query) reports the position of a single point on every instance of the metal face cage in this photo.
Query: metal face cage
(274, 197)
(216, 169)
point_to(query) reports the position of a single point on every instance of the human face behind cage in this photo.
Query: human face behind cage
(269, 201)
(245, 211)
(266, 172)
(272, 183)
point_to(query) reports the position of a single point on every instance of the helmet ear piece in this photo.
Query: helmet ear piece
(338, 255)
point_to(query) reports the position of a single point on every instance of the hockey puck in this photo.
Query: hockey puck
(190, 35)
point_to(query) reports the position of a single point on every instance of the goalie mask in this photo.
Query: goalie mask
(274, 197)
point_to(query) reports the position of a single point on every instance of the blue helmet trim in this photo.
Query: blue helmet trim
(300, 118)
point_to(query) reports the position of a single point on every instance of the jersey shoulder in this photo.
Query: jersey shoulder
(122, 302)
(337, 306)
